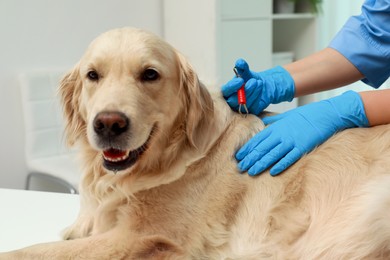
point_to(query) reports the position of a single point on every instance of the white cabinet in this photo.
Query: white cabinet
(213, 34)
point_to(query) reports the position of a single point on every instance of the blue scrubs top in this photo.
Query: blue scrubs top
(365, 41)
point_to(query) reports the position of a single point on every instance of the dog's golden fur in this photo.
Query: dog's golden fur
(184, 197)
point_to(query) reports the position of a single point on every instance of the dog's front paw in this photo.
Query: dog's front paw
(81, 228)
(12, 255)
(157, 247)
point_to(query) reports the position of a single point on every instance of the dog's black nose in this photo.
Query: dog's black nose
(110, 123)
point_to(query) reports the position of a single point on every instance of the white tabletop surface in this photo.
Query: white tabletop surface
(30, 217)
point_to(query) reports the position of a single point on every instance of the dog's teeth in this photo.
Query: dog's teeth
(113, 155)
(117, 159)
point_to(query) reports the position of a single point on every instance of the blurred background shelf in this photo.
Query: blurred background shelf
(293, 16)
(214, 34)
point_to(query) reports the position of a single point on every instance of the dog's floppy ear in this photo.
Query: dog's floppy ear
(198, 102)
(70, 93)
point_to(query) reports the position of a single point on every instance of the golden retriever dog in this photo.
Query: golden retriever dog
(160, 180)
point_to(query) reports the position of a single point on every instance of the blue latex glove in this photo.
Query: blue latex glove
(298, 131)
(262, 88)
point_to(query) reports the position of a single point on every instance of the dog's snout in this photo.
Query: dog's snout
(110, 123)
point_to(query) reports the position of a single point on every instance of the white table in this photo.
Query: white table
(30, 217)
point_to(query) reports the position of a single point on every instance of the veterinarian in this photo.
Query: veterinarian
(360, 51)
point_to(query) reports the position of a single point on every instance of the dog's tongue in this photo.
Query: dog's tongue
(114, 153)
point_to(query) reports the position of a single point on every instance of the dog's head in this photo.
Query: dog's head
(133, 98)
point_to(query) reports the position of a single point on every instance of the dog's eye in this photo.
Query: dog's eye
(93, 75)
(150, 75)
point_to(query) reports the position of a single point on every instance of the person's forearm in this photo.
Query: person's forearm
(377, 106)
(324, 70)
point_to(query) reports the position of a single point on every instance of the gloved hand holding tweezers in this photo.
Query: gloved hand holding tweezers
(261, 88)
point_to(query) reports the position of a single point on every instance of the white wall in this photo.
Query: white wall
(183, 34)
(43, 34)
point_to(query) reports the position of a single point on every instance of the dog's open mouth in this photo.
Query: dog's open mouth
(119, 160)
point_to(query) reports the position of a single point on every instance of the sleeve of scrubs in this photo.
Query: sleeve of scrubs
(365, 41)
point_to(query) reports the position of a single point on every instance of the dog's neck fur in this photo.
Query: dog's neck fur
(213, 124)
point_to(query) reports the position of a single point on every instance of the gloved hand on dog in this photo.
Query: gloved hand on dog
(292, 134)
(262, 88)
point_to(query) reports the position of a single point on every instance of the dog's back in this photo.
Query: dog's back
(332, 204)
